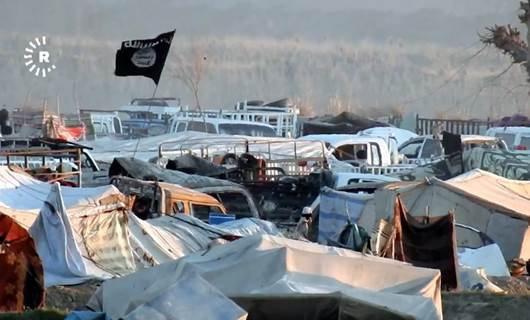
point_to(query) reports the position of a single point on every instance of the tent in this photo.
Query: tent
(497, 206)
(262, 273)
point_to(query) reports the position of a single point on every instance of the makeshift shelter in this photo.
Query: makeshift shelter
(279, 277)
(21, 276)
(83, 242)
(497, 206)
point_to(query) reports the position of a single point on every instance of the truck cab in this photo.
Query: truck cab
(153, 198)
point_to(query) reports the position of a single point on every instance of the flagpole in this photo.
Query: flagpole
(154, 94)
(148, 122)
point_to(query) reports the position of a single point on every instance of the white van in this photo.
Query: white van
(516, 138)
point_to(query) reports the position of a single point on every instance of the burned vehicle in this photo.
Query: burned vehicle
(236, 199)
(153, 198)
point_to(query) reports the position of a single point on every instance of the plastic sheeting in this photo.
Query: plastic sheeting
(55, 241)
(269, 267)
(20, 191)
(338, 209)
(181, 301)
(168, 238)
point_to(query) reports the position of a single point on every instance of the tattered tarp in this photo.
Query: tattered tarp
(430, 243)
(139, 169)
(20, 191)
(168, 238)
(261, 268)
(21, 273)
(337, 210)
(345, 122)
(497, 206)
(194, 165)
(83, 243)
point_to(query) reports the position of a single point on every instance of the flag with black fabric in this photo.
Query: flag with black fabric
(143, 57)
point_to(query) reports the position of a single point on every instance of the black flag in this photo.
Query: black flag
(143, 57)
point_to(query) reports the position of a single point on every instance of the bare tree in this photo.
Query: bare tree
(508, 39)
(190, 69)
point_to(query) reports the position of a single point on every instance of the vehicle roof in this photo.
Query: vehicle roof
(401, 135)
(217, 121)
(354, 175)
(513, 130)
(463, 137)
(475, 137)
(342, 139)
(177, 192)
(152, 109)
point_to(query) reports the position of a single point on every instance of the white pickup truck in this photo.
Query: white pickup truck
(361, 153)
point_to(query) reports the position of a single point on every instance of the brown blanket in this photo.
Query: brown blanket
(428, 242)
(21, 276)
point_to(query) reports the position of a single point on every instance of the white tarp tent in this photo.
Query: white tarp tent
(22, 192)
(269, 267)
(494, 205)
(84, 233)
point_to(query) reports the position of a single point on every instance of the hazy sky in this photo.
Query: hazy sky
(421, 41)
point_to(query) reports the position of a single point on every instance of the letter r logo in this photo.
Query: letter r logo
(44, 57)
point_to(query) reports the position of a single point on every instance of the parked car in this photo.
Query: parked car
(515, 138)
(426, 149)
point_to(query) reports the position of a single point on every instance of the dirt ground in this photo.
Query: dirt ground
(70, 297)
(482, 306)
(459, 306)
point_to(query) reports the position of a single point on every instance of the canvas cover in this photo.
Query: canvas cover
(497, 206)
(77, 246)
(20, 191)
(266, 267)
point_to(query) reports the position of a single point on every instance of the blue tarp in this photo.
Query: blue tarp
(337, 208)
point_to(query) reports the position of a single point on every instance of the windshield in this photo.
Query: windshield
(246, 130)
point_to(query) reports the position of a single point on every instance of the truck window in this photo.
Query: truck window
(201, 127)
(351, 152)
(524, 144)
(376, 154)
(235, 203)
(178, 207)
(509, 138)
(202, 212)
(181, 126)
(431, 148)
(411, 150)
